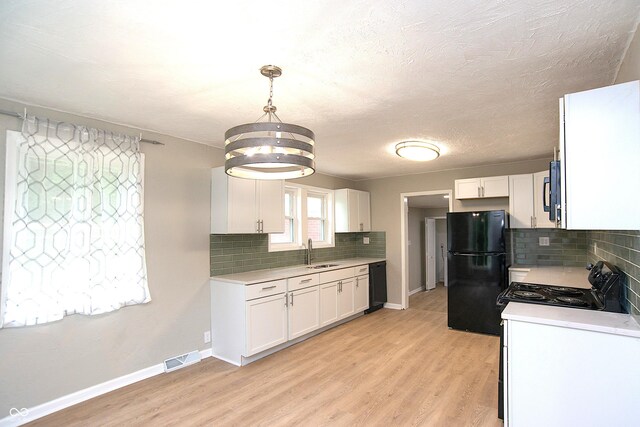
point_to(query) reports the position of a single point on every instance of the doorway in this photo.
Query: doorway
(423, 240)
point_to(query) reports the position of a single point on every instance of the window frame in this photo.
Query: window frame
(301, 228)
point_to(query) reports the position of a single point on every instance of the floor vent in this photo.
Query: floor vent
(181, 361)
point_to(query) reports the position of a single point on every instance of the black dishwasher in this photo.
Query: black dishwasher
(377, 285)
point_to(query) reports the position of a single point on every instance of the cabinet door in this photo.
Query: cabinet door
(601, 152)
(270, 199)
(364, 211)
(328, 303)
(521, 195)
(346, 302)
(266, 323)
(241, 200)
(541, 218)
(495, 186)
(304, 311)
(468, 188)
(361, 293)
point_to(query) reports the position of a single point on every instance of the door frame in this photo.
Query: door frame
(404, 232)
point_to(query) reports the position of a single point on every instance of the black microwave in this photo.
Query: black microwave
(552, 192)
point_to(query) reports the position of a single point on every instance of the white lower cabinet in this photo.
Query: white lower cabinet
(248, 319)
(266, 323)
(346, 305)
(361, 293)
(304, 311)
(328, 303)
(553, 373)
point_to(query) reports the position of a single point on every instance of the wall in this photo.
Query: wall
(630, 67)
(237, 253)
(566, 247)
(415, 228)
(386, 205)
(40, 363)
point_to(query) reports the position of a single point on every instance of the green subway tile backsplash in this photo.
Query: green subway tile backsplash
(237, 253)
(566, 247)
(621, 248)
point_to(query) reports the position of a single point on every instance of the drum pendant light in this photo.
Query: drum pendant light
(269, 149)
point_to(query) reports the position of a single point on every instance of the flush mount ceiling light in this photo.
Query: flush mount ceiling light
(269, 149)
(417, 150)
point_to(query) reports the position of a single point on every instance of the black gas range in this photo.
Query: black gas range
(605, 292)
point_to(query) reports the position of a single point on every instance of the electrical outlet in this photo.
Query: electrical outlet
(207, 337)
(543, 241)
(365, 240)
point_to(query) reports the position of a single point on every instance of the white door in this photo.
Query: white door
(266, 323)
(468, 188)
(304, 311)
(495, 186)
(430, 252)
(521, 195)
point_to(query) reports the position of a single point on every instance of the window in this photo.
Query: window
(73, 226)
(290, 219)
(317, 217)
(308, 215)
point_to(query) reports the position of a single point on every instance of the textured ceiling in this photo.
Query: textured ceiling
(481, 78)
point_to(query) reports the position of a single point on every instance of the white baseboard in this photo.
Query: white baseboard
(415, 291)
(393, 306)
(71, 399)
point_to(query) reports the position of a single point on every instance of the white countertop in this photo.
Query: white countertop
(588, 320)
(259, 276)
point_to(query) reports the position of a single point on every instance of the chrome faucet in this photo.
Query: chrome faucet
(309, 249)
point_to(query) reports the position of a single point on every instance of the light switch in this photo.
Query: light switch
(543, 241)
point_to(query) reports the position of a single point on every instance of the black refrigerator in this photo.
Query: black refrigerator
(476, 270)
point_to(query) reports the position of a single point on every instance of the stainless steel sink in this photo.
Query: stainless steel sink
(317, 267)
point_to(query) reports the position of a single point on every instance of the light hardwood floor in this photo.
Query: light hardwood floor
(387, 368)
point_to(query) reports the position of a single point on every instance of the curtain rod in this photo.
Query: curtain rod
(19, 116)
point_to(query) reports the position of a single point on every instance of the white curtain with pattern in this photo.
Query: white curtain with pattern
(73, 227)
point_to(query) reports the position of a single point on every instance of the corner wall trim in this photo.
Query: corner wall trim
(393, 306)
(74, 398)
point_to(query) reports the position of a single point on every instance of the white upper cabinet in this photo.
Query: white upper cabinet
(352, 210)
(478, 188)
(526, 209)
(600, 158)
(521, 201)
(241, 205)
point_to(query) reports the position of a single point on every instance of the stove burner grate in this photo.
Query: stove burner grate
(569, 292)
(529, 295)
(574, 301)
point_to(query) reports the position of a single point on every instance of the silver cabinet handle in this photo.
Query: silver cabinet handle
(535, 222)
(479, 195)
(292, 299)
(531, 221)
(257, 226)
(269, 287)
(306, 280)
(361, 227)
(482, 191)
(286, 300)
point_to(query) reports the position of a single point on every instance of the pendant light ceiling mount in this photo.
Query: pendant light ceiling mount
(269, 149)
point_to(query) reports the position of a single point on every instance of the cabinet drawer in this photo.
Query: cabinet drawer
(361, 269)
(265, 289)
(343, 273)
(303, 281)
